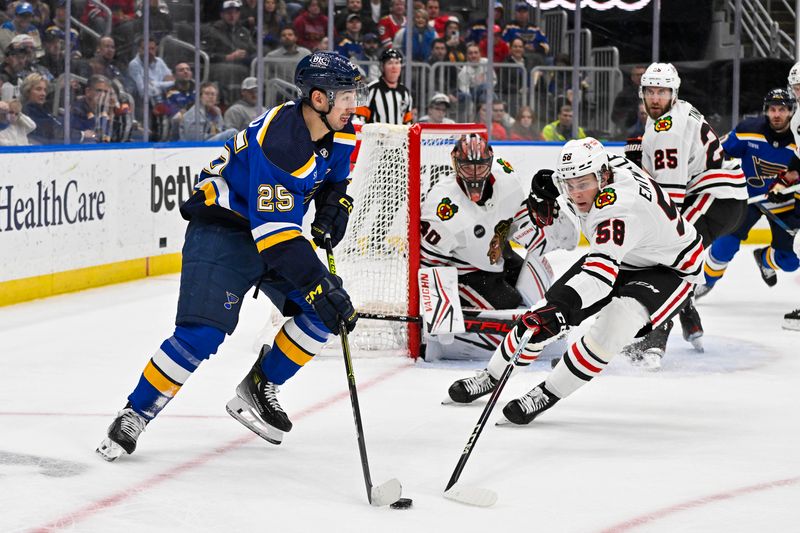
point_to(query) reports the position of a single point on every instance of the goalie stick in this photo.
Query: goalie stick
(473, 323)
(389, 491)
(478, 496)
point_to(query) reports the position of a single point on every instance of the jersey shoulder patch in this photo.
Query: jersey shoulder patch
(505, 165)
(446, 209)
(606, 197)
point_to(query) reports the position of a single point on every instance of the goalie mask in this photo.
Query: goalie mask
(472, 160)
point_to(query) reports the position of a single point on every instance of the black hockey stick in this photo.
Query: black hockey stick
(390, 491)
(472, 322)
(775, 219)
(475, 495)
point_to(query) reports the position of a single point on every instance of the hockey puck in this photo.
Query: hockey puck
(402, 503)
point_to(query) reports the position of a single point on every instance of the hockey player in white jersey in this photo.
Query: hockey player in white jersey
(467, 221)
(682, 153)
(642, 262)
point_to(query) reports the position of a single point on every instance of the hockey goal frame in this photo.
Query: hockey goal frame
(416, 133)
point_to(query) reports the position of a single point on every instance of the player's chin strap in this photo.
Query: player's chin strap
(322, 115)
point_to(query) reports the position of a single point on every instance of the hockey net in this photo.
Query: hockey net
(378, 259)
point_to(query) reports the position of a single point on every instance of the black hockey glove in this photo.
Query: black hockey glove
(333, 212)
(633, 150)
(542, 200)
(546, 322)
(776, 194)
(331, 303)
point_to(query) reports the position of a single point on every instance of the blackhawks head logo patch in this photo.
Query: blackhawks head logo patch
(663, 124)
(507, 168)
(446, 209)
(605, 197)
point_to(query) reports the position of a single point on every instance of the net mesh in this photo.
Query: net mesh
(373, 258)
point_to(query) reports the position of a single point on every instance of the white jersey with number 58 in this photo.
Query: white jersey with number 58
(633, 225)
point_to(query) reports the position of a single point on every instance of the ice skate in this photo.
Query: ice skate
(122, 435)
(792, 320)
(527, 407)
(256, 406)
(691, 326)
(769, 275)
(468, 390)
(648, 352)
(701, 290)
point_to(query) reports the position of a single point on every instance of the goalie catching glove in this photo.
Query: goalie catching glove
(333, 211)
(331, 303)
(542, 200)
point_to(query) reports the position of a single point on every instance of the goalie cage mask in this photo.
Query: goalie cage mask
(472, 160)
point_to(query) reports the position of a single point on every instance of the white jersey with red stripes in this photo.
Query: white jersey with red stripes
(633, 225)
(795, 126)
(682, 152)
(461, 233)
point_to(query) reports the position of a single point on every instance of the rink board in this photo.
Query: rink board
(71, 219)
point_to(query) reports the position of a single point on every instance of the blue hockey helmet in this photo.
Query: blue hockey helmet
(779, 97)
(330, 73)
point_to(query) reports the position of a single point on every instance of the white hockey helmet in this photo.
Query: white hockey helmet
(661, 75)
(794, 77)
(580, 157)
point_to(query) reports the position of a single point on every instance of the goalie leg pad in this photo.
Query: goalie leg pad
(171, 365)
(615, 327)
(534, 279)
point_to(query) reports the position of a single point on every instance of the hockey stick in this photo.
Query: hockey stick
(475, 495)
(390, 491)
(472, 322)
(775, 220)
(762, 197)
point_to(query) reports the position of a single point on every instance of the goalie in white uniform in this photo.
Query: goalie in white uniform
(642, 262)
(792, 320)
(682, 153)
(467, 222)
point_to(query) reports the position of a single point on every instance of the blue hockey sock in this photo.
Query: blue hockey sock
(298, 341)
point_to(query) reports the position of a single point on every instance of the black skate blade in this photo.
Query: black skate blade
(386, 493)
(244, 414)
(475, 496)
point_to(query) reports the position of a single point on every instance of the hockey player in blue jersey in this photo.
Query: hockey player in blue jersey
(766, 148)
(244, 230)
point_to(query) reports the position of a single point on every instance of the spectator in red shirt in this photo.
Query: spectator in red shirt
(501, 49)
(311, 25)
(391, 23)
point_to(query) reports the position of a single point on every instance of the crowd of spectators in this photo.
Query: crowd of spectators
(108, 92)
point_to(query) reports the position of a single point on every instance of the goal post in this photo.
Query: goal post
(379, 257)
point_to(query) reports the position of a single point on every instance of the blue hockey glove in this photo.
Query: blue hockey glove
(331, 303)
(333, 212)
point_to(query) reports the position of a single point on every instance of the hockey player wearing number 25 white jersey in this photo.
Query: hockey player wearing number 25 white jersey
(642, 262)
(467, 221)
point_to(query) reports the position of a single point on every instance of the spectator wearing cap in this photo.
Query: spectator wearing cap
(18, 60)
(438, 107)
(203, 122)
(456, 50)
(159, 75)
(499, 11)
(245, 109)
(350, 43)
(500, 46)
(354, 7)
(422, 37)
(22, 24)
(230, 46)
(371, 48)
(59, 25)
(274, 17)
(536, 45)
(389, 25)
(477, 32)
(311, 25)
(53, 58)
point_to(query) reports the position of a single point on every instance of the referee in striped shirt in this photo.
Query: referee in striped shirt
(390, 101)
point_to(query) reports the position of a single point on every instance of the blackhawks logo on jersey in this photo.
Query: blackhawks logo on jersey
(446, 209)
(663, 124)
(605, 197)
(507, 168)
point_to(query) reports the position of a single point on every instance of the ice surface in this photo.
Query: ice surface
(710, 443)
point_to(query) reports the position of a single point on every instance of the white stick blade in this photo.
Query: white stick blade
(386, 493)
(476, 496)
